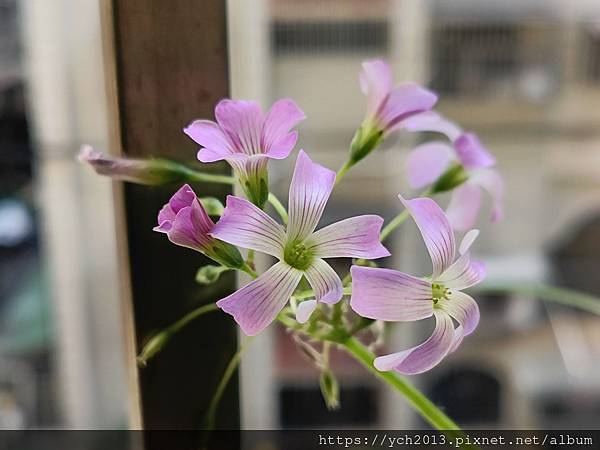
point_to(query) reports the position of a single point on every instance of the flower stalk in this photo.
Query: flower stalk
(420, 403)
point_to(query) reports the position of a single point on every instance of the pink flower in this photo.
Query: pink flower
(186, 223)
(428, 164)
(389, 295)
(387, 106)
(300, 249)
(246, 139)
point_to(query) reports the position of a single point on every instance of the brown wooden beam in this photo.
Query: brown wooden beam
(167, 65)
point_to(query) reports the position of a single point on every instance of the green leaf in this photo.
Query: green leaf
(209, 274)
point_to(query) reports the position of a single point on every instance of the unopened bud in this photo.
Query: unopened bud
(210, 274)
(330, 389)
(142, 171)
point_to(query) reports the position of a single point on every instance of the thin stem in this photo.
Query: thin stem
(159, 340)
(400, 218)
(554, 294)
(342, 172)
(194, 175)
(394, 223)
(274, 201)
(209, 418)
(417, 400)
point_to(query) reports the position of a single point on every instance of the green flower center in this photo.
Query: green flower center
(298, 256)
(439, 292)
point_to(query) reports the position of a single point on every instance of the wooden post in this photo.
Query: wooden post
(167, 65)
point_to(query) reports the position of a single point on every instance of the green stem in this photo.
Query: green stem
(209, 419)
(417, 400)
(274, 201)
(563, 296)
(342, 172)
(195, 176)
(394, 223)
(400, 218)
(159, 340)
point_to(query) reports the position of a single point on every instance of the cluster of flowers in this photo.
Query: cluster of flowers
(246, 138)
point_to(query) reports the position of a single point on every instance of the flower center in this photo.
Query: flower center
(298, 256)
(439, 292)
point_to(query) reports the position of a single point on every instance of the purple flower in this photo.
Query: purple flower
(299, 248)
(246, 139)
(387, 106)
(143, 171)
(389, 295)
(441, 165)
(186, 223)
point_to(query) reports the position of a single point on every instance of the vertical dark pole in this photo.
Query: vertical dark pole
(170, 66)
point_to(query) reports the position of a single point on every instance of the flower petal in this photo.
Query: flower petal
(463, 274)
(467, 241)
(375, 82)
(325, 282)
(282, 148)
(190, 228)
(389, 295)
(463, 308)
(464, 206)
(436, 231)
(471, 152)
(309, 191)
(432, 121)
(281, 118)
(459, 335)
(256, 305)
(356, 237)
(245, 225)
(242, 121)
(492, 182)
(185, 196)
(404, 101)
(423, 357)
(427, 162)
(305, 310)
(210, 136)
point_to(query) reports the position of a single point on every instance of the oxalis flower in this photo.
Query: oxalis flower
(299, 248)
(387, 106)
(246, 139)
(185, 221)
(464, 167)
(393, 296)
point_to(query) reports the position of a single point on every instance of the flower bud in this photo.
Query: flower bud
(330, 389)
(210, 274)
(142, 171)
(152, 347)
(212, 206)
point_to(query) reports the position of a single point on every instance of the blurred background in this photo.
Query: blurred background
(523, 75)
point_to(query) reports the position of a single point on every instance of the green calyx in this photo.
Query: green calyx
(453, 177)
(298, 256)
(225, 254)
(439, 292)
(256, 188)
(366, 139)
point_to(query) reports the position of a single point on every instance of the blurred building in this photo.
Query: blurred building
(524, 76)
